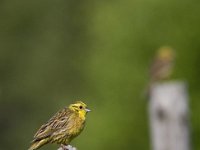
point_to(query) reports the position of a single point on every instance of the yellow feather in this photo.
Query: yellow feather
(38, 144)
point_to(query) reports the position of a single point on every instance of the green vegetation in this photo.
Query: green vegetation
(55, 52)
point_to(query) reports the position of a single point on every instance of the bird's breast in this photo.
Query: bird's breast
(77, 126)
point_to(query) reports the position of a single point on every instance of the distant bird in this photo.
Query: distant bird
(65, 125)
(162, 67)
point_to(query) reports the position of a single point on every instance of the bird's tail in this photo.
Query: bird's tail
(37, 144)
(147, 91)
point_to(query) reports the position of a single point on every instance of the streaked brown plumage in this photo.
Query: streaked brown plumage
(62, 127)
(161, 68)
(162, 65)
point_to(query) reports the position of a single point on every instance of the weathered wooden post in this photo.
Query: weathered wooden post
(169, 116)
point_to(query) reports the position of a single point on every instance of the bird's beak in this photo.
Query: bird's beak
(87, 110)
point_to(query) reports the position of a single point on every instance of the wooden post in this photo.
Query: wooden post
(169, 119)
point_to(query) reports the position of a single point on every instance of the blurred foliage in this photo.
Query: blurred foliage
(55, 52)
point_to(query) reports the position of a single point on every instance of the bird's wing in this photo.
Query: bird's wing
(42, 133)
(156, 68)
(59, 120)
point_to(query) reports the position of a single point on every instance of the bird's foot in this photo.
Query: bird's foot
(67, 147)
(63, 147)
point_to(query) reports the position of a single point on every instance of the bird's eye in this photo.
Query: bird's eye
(80, 107)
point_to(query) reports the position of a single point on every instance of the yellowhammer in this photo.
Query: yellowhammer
(65, 125)
(162, 66)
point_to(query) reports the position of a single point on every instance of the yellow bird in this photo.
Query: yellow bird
(162, 65)
(161, 69)
(65, 125)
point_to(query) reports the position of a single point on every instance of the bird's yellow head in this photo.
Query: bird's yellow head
(166, 53)
(80, 108)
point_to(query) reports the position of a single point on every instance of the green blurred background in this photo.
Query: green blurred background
(53, 52)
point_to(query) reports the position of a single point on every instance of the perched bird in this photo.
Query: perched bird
(161, 68)
(65, 125)
(162, 65)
